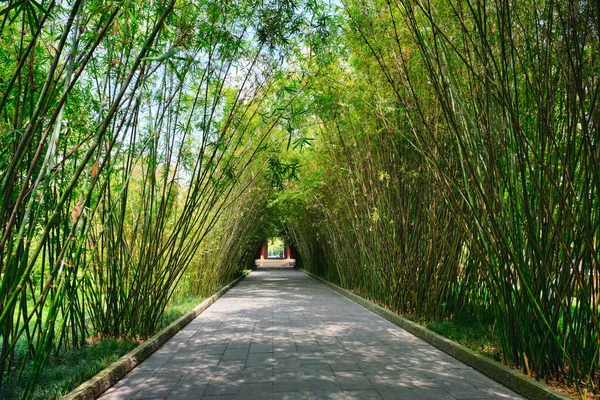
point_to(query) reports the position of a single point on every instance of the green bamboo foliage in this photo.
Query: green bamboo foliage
(127, 130)
(49, 170)
(530, 195)
(459, 172)
(242, 231)
(448, 149)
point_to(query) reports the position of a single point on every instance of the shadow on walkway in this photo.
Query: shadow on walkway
(280, 334)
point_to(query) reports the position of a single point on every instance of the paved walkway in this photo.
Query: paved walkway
(280, 334)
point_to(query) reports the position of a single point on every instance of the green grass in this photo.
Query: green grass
(67, 370)
(177, 308)
(469, 332)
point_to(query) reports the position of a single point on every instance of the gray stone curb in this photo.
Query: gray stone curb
(94, 387)
(510, 378)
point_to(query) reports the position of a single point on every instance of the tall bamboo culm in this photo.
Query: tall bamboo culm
(127, 129)
(462, 172)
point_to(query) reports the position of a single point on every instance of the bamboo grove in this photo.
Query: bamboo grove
(440, 157)
(129, 131)
(456, 170)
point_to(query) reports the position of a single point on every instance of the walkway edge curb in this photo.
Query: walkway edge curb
(510, 378)
(103, 380)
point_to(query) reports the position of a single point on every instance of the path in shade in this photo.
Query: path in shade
(280, 334)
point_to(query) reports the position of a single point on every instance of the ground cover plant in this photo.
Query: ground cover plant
(66, 369)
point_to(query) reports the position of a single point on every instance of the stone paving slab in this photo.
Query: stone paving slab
(281, 335)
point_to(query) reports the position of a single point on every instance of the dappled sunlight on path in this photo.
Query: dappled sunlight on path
(280, 334)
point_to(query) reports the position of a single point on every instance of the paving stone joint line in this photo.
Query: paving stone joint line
(281, 335)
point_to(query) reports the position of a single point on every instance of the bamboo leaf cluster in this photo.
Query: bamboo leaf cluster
(457, 157)
(129, 132)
